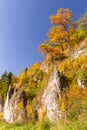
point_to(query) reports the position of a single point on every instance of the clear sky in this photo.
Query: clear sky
(23, 27)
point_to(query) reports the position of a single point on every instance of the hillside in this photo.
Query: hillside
(52, 94)
(29, 95)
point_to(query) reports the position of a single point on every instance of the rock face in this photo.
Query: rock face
(49, 101)
(81, 83)
(14, 97)
(81, 51)
(45, 66)
(1, 106)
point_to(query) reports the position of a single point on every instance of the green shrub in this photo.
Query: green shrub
(44, 124)
(74, 112)
(82, 33)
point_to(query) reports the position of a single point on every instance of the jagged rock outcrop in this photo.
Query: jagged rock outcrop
(11, 110)
(49, 100)
(81, 51)
(80, 82)
(45, 66)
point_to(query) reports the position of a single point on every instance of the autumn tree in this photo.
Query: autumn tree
(60, 36)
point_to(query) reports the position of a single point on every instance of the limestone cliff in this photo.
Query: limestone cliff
(14, 97)
(49, 100)
(39, 97)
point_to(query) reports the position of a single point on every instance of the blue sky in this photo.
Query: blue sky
(23, 27)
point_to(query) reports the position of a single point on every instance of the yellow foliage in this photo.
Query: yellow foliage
(48, 59)
(69, 67)
(62, 106)
(15, 79)
(20, 105)
(1, 115)
(74, 94)
(30, 113)
(24, 76)
(42, 113)
(44, 80)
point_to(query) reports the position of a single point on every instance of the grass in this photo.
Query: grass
(46, 125)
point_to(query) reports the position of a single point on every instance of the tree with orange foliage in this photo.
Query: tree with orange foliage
(60, 35)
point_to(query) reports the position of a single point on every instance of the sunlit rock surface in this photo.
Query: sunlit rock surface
(49, 101)
(14, 97)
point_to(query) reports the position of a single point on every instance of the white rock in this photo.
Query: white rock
(49, 99)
